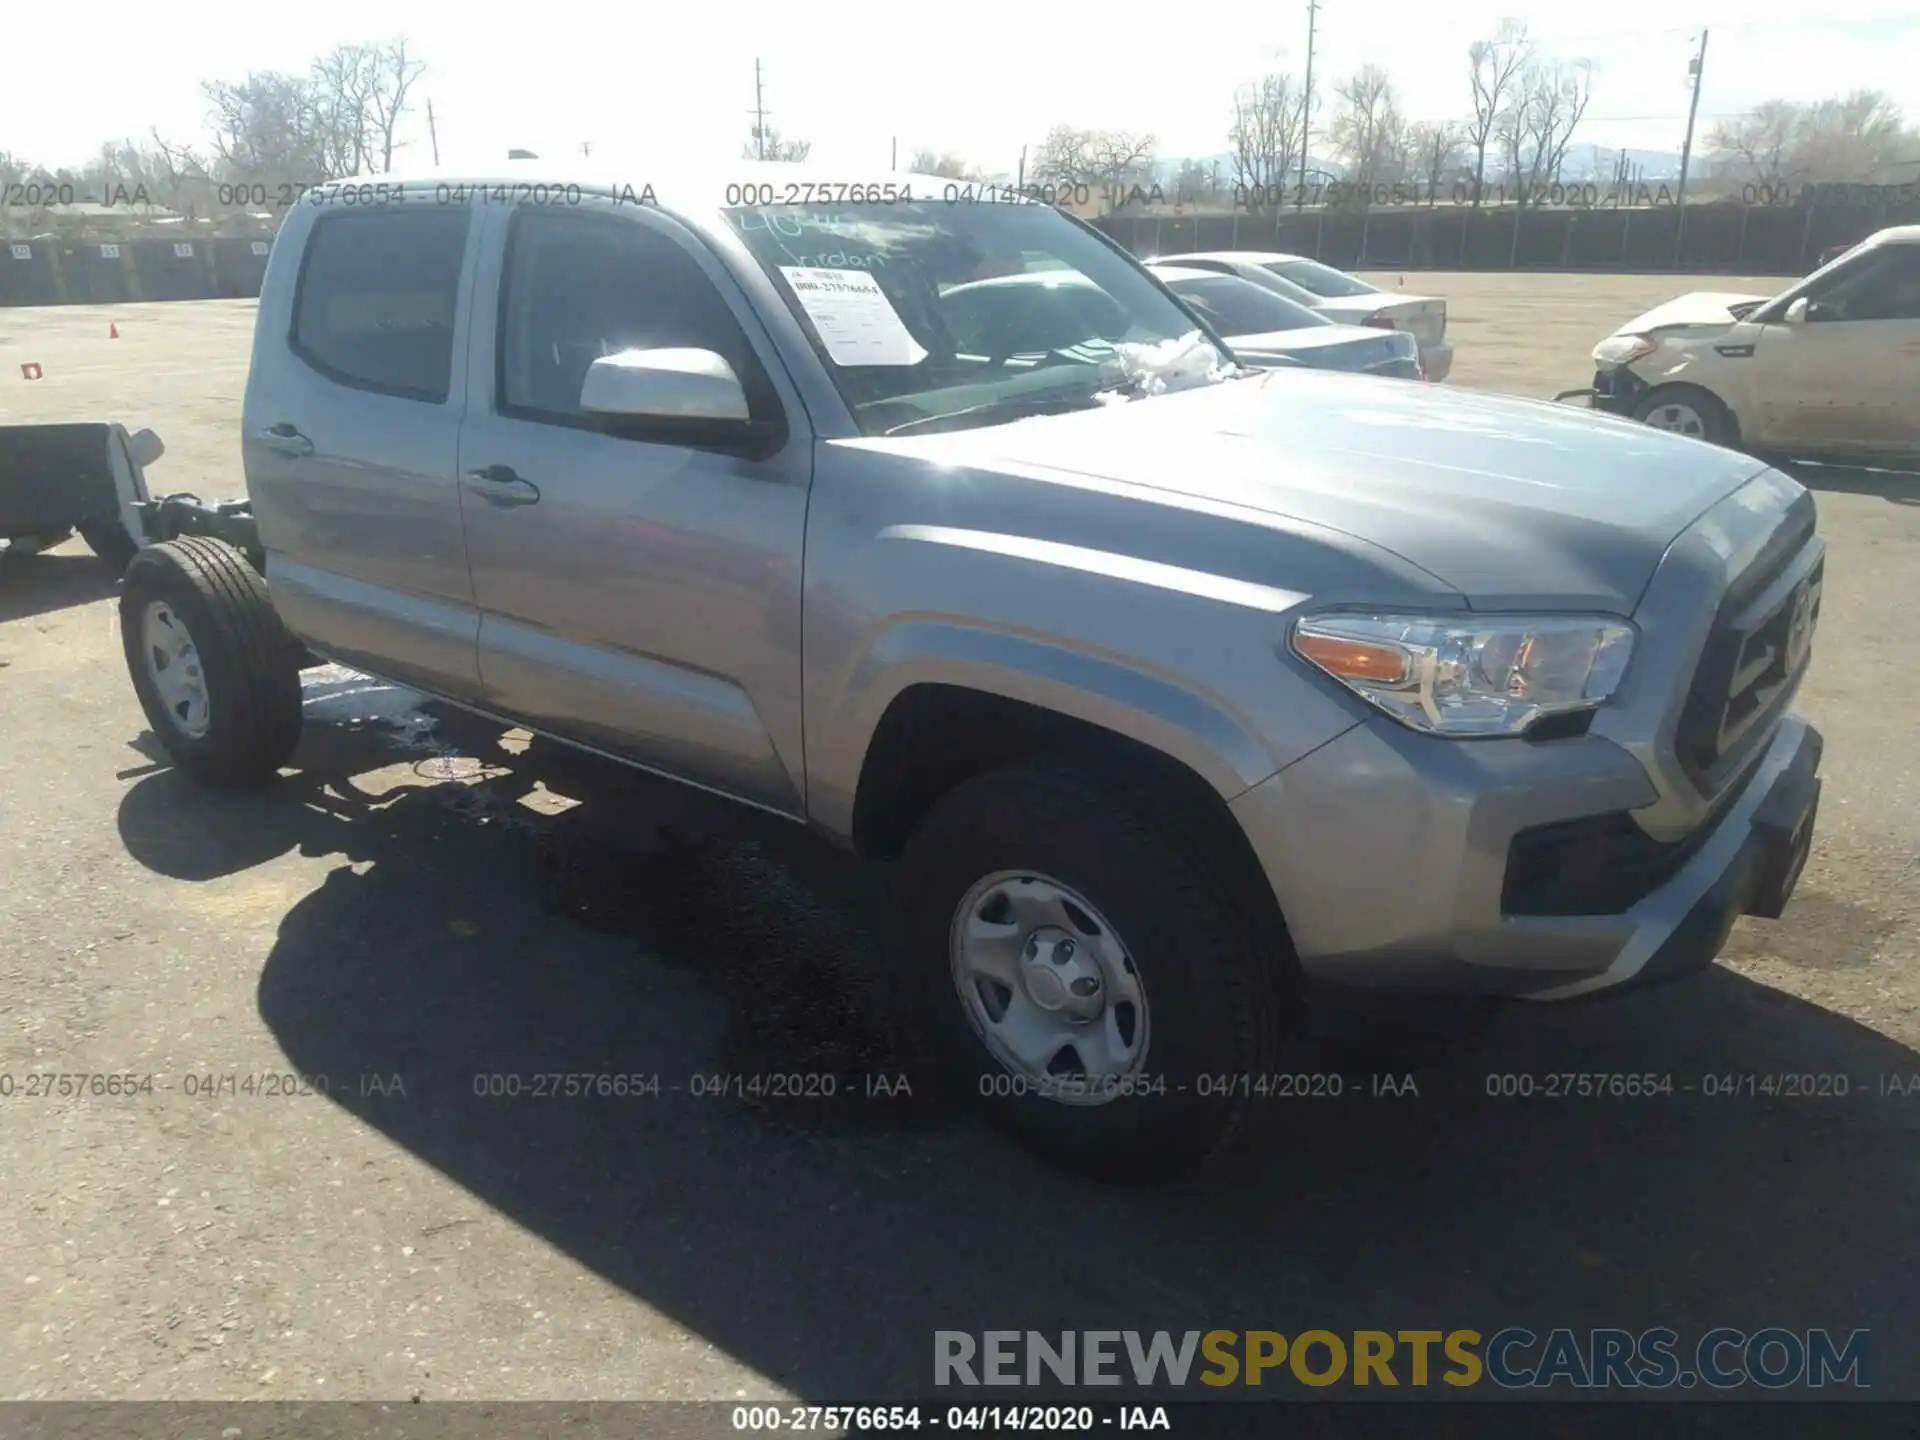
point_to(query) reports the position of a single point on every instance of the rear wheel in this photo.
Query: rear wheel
(1686, 410)
(216, 672)
(1095, 982)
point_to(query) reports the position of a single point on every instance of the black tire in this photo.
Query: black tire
(249, 663)
(110, 542)
(1219, 979)
(1717, 425)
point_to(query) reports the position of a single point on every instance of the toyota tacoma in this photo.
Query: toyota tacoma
(1177, 690)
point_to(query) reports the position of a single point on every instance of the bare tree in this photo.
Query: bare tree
(394, 73)
(1104, 160)
(944, 163)
(1765, 140)
(148, 174)
(360, 96)
(181, 175)
(1196, 181)
(773, 145)
(341, 118)
(1860, 137)
(1434, 153)
(1367, 128)
(1539, 121)
(1265, 136)
(1496, 66)
(267, 129)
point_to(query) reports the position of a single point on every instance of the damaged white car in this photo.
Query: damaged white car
(1829, 369)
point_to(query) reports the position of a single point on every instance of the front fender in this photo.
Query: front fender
(1199, 731)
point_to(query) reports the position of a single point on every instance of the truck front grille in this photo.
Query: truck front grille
(1760, 643)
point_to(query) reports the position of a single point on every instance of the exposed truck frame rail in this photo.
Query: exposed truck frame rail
(171, 516)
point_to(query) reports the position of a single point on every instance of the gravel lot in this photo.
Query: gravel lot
(399, 922)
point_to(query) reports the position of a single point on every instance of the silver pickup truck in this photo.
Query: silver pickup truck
(1177, 690)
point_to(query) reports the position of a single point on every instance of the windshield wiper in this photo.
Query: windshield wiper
(1009, 407)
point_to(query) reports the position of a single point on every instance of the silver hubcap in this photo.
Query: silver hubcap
(1680, 419)
(173, 664)
(1049, 986)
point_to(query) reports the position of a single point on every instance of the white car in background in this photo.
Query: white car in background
(1337, 295)
(1830, 368)
(1264, 328)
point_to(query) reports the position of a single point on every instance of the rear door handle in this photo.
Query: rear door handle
(501, 485)
(285, 439)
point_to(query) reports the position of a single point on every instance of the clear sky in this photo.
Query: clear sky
(981, 79)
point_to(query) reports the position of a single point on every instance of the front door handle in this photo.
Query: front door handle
(285, 439)
(501, 485)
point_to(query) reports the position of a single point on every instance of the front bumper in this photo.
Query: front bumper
(1389, 851)
(1617, 391)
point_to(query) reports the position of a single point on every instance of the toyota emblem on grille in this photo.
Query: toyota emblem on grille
(1800, 627)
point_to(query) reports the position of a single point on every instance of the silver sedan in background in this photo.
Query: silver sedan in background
(1266, 329)
(1339, 296)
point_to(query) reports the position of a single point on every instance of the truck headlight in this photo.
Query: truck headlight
(1618, 350)
(1470, 674)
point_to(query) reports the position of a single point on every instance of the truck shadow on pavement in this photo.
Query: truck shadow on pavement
(822, 1241)
(58, 580)
(1896, 487)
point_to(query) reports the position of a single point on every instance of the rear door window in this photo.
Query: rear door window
(377, 298)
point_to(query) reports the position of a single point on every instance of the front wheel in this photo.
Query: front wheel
(217, 674)
(1686, 410)
(1094, 981)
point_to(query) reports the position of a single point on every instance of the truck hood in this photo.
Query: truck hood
(1703, 307)
(1512, 503)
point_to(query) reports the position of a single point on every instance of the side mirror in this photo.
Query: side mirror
(1796, 313)
(664, 385)
(145, 447)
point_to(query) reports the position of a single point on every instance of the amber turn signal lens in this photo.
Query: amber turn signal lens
(1353, 659)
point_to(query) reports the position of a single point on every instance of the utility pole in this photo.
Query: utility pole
(1306, 108)
(1697, 67)
(433, 134)
(759, 115)
(586, 147)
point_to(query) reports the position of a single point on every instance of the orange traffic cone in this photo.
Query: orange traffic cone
(30, 371)
(113, 331)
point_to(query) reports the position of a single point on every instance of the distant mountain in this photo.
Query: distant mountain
(1651, 166)
(1166, 168)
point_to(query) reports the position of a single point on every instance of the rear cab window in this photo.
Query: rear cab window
(378, 292)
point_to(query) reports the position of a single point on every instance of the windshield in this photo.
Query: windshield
(1320, 279)
(1239, 307)
(930, 309)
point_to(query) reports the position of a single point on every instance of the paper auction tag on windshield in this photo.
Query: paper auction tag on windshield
(856, 321)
